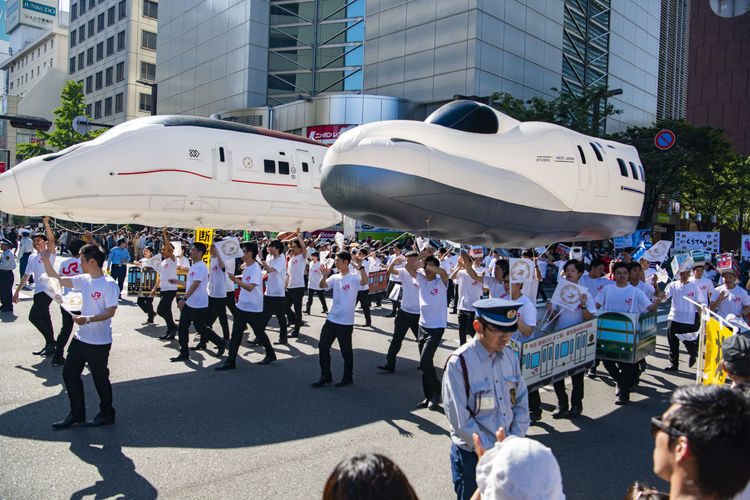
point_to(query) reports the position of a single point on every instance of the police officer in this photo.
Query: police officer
(483, 390)
(117, 262)
(7, 265)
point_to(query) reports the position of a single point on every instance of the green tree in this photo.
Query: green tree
(72, 104)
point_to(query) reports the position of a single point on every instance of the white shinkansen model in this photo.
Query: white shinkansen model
(177, 171)
(472, 174)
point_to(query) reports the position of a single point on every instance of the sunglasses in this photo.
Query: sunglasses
(657, 424)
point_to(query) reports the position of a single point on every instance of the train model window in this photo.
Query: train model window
(221, 150)
(583, 156)
(596, 151)
(643, 175)
(633, 169)
(623, 167)
(305, 167)
(284, 168)
(269, 166)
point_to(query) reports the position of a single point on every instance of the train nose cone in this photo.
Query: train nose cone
(10, 199)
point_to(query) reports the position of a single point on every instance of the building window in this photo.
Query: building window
(144, 102)
(81, 64)
(98, 109)
(148, 40)
(100, 22)
(122, 9)
(121, 40)
(120, 71)
(92, 4)
(90, 56)
(148, 71)
(73, 12)
(98, 80)
(108, 76)
(100, 51)
(107, 106)
(89, 84)
(51, 45)
(110, 45)
(83, 7)
(110, 16)
(150, 9)
(73, 38)
(82, 33)
(88, 106)
(72, 68)
(91, 28)
(118, 103)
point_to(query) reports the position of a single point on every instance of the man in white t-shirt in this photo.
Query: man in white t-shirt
(68, 268)
(274, 300)
(407, 317)
(494, 284)
(166, 283)
(683, 319)
(448, 262)
(729, 298)
(705, 285)
(194, 307)
(340, 321)
(363, 295)
(249, 308)
(217, 291)
(295, 283)
(313, 283)
(637, 280)
(468, 276)
(93, 339)
(595, 281)
(39, 313)
(393, 279)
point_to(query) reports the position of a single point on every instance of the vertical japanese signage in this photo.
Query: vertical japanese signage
(205, 236)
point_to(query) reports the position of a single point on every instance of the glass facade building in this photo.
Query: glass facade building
(585, 45)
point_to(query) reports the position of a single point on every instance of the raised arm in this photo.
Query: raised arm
(167, 244)
(50, 235)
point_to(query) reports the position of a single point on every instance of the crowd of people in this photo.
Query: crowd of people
(482, 392)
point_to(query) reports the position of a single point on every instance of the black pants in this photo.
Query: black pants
(196, 316)
(404, 322)
(119, 272)
(40, 318)
(451, 293)
(540, 290)
(217, 308)
(342, 333)
(396, 303)
(363, 297)
(231, 303)
(429, 340)
(576, 395)
(164, 309)
(275, 306)
(465, 325)
(6, 290)
(535, 402)
(622, 373)
(673, 328)
(255, 320)
(294, 301)
(65, 331)
(23, 261)
(311, 294)
(97, 357)
(147, 305)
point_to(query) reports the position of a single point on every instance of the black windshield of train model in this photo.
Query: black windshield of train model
(468, 116)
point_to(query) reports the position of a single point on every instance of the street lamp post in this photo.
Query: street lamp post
(154, 90)
(604, 94)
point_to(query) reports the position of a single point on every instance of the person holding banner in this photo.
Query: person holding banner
(295, 283)
(145, 301)
(166, 283)
(729, 298)
(70, 267)
(274, 298)
(583, 311)
(313, 283)
(705, 285)
(217, 290)
(469, 277)
(683, 320)
(496, 284)
(393, 279)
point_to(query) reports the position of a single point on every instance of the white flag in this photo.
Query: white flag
(658, 252)
(338, 238)
(521, 270)
(567, 294)
(229, 248)
(70, 300)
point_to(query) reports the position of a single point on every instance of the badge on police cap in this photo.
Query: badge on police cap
(501, 313)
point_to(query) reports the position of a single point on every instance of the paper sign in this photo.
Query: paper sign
(422, 243)
(681, 262)
(177, 249)
(658, 252)
(661, 275)
(562, 249)
(205, 236)
(229, 248)
(521, 270)
(338, 238)
(567, 294)
(697, 240)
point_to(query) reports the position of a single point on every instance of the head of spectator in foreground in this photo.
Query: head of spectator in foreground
(519, 468)
(701, 442)
(735, 354)
(368, 477)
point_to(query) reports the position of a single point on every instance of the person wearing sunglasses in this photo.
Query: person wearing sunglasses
(701, 442)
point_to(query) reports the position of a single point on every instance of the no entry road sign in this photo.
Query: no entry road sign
(664, 139)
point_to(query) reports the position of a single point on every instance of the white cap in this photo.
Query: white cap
(519, 469)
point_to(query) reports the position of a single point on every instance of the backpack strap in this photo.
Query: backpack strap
(467, 385)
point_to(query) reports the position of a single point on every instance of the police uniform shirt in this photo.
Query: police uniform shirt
(25, 246)
(469, 289)
(35, 267)
(167, 271)
(275, 282)
(119, 256)
(409, 292)
(199, 298)
(8, 261)
(433, 302)
(682, 311)
(498, 396)
(98, 295)
(705, 288)
(251, 300)
(345, 288)
(627, 299)
(735, 300)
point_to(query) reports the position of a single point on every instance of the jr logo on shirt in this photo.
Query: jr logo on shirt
(70, 269)
(96, 295)
(628, 301)
(345, 287)
(434, 291)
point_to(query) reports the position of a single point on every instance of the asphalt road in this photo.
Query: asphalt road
(186, 431)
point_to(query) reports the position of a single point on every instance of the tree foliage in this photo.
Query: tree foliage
(72, 104)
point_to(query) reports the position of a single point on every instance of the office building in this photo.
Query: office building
(673, 59)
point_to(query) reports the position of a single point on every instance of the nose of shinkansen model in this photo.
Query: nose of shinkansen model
(10, 199)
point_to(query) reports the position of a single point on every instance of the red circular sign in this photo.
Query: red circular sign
(664, 139)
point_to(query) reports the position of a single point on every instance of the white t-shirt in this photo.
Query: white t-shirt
(366, 264)
(199, 298)
(527, 314)
(595, 285)
(410, 292)
(542, 265)
(251, 301)
(682, 311)
(710, 274)
(449, 264)
(735, 300)
(433, 302)
(167, 271)
(35, 267)
(568, 318)
(70, 267)
(391, 258)
(296, 271)
(217, 287)
(497, 290)
(705, 288)
(98, 295)
(647, 289)
(275, 282)
(345, 290)
(469, 289)
(313, 276)
(228, 284)
(183, 261)
(627, 299)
